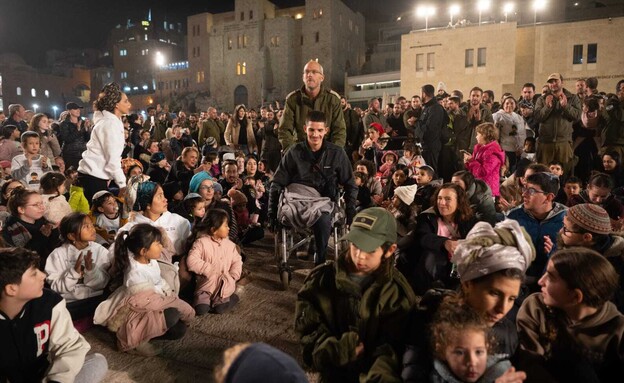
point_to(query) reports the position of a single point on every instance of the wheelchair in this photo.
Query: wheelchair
(289, 239)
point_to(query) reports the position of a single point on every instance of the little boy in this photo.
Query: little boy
(39, 341)
(30, 166)
(528, 151)
(556, 168)
(572, 186)
(363, 200)
(426, 187)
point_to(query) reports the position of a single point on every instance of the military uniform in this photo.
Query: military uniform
(211, 128)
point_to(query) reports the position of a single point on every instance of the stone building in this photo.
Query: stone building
(256, 53)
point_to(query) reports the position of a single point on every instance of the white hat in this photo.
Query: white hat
(229, 156)
(406, 193)
(100, 194)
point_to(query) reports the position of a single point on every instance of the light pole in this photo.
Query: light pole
(425, 11)
(507, 9)
(483, 5)
(55, 108)
(453, 10)
(538, 5)
(35, 106)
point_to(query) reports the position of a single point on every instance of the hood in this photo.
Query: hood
(103, 115)
(390, 153)
(262, 360)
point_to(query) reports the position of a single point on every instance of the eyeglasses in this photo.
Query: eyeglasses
(38, 204)
(564, 231)
(532, 191)
(205, 187)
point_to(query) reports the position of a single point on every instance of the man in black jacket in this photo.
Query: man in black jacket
(319, 164)
(429, 126)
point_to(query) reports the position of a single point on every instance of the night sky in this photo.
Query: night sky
(30, 27)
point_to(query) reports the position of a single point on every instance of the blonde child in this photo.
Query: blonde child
(216, 262)
(31, 165)
(53, 190)
(461, 343)
(78, 269)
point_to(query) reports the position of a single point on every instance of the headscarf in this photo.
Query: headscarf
(488, 249)
(197, 179)
(139, 193)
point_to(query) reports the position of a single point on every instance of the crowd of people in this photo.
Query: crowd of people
(483, 239)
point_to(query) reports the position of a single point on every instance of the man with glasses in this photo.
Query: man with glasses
(542, 218)
(311, 96)
(588, 225)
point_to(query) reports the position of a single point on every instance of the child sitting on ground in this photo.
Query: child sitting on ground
(105, 209)
(401, 208)
(30, 166)
(78, 270)
(528, 151)
(462, 345)
(45, 346)
(216, 263)
(192, 208)
(363, 200)
(389, 164)
(573, 186)
(427, 184)
(77, 199)
(351, 313)
(53, 190)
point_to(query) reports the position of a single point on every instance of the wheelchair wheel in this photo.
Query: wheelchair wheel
(285, 278)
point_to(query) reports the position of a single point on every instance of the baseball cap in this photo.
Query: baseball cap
(555, 76)
(72, 105)
(372, 228)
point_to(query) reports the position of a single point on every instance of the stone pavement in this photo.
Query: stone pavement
(265, 314)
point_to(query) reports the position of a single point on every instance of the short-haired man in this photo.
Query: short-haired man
(375, 114)
(542, 218)
(556, 112)
(17, 116)
(429, 127)
(412, 114)
(319, 165)
(463, 134)
(311, 96)
(613, 113)
(211, 127)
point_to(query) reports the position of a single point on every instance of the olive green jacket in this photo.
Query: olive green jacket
(333, 315)
(556, 122)
(211, 128)
(298, 104)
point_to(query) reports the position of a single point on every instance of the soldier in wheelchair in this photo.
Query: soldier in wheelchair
(310, 174)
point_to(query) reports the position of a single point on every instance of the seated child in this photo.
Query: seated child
(213, 159)
(528, 151)
(374, 185)
(77, 199)
(250, 191)
(78, 270)
(389, 164)
(570, 330)
(216, 263)
(192, 208)
(363, 200)
(572, 187)
(401, 208)
(462, 345)
(599, 192)
(30, 166)
(248, 231)
(427, 184)
(364, 338)
(145, 299)
(408, 155)
(399, 178)
(49, 347)
(105, 209)
(53, 190)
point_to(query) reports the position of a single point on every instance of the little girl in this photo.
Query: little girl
(56, 206)
(146, 305)
(461, 343)
(213, 257)
(105, 208)
(78, 270)
(389, 164)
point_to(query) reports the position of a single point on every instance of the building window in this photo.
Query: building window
(420, 58)
(46, 93)
(315, 14)
(430, 61)
(238, 69)
(481, 56)
(390, 63)
(18, 91)
(123, 52)
(200, 77)
(357, 30)
(250, 15)
(239, 42)
(33, 92)
(241, 69)
(275, 41)
(350, 25)
(245, 41)
(145, 37)
(301, 39)
(320, 12)
(124, 75)
(242, 16)
(469, 58)
(577, 54)
(592, 53)
(197, 51)
(229, 43)
(317, 37)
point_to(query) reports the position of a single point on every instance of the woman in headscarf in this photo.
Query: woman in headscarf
(491, 263)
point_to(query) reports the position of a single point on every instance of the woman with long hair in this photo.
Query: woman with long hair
(101, 162)
(239, 132)
(50, 146)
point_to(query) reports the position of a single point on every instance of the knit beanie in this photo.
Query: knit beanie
(157, 157)
(590, 217)
(406, 193)
(198, 179)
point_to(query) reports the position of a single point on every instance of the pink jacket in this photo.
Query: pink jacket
(218, 266)
(486, 163)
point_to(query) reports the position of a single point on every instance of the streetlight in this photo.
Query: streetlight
(538, 5)
(160, 59)
(453, 10)
(483, 5)
(425, 11)
(35, 106)
(507, 9)
(55, 108)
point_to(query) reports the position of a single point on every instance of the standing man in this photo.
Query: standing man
(374, 114)
(212, 127)
(556, 111)
(320, 165)
(17, 115)
(412, 114)
(311, 96)
(429, 126)
(355, 133)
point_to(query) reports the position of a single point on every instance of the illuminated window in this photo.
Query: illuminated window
(123, 52)
(33, 92)
(46, 93)
(244, 68)
(238, 69)
(18, 91)
(245, 41)
(229, 43)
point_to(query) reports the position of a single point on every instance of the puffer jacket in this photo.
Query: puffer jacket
(556, 122)
(486, 163)
(74, 140)
(334, 314)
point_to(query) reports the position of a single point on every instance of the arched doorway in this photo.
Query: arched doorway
(240, 95)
